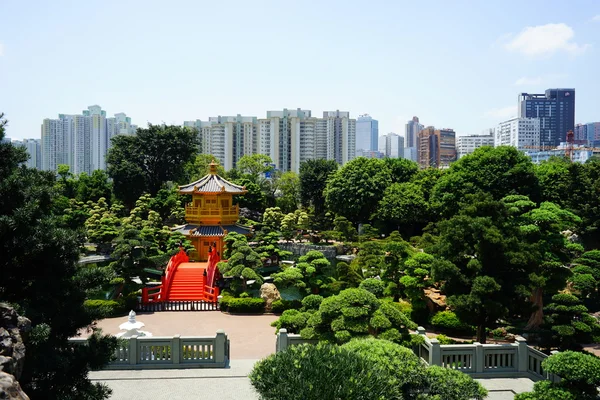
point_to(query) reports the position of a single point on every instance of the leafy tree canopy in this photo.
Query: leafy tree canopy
(144, 162)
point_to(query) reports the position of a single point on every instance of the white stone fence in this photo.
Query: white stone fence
(169, 352)
(285, 340)
(511, 360)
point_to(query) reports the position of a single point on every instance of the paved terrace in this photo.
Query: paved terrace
(252, 338)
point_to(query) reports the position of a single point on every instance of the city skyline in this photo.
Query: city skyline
(158, 76)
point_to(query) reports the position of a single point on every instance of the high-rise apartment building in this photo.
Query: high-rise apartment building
(522, 133)
(367, 133)
(33, 148)
(394, 145)
(413, 127)
(81, 140)
(436, 147)
(556, 111)
(289, 137)
(588, 134)
(468, 143)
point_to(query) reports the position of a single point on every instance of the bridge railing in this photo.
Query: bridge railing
(169, 352)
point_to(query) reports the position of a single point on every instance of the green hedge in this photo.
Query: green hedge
(279, 306)
(103, 308)
(246, 305)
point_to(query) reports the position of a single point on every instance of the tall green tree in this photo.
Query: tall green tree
(483, 263)
(499, 172)
(313, 180)
(355, 190)
(146, 161)
(38, 265)
(404, 208)
(255, 165)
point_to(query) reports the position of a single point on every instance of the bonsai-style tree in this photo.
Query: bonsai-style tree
(242, 264)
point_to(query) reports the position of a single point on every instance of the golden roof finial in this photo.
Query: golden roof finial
(213, 167)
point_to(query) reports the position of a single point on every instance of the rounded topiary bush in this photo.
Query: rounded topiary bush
(447, 320)
(312, 302)
(375, 286)
(324, 372)
(450, 384)
(404, 367)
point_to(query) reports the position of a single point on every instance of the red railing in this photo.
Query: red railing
(160, 293)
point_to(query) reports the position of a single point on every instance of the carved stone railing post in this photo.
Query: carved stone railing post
(479, 362)
(176, 349)
(282, 340)
(133, 356)
(220, 344)
(435, 353)
(522, 354)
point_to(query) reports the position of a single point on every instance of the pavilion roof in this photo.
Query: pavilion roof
(212, 183)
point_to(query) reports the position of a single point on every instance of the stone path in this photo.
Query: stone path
(181, 384)
(231, 383)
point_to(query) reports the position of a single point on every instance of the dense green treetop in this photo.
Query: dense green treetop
(313, 180)
(355, 190)
(499, 171)
(144, 162)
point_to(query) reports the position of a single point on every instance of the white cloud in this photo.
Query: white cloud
(596, 18)
(503, 112)
(545, 40)
(525, 81)
(546, 79)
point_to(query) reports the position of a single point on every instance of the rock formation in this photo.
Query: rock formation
(12, 352)
(269, 293)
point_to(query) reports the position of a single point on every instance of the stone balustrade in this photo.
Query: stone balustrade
(511, 360)
(169, 352)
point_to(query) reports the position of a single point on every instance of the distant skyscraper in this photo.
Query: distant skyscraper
(436, 147)
(588, 134)
(367, 133)
(81, 140)
(556, 111)
(394, 145)
(413, 127)
(522, 133)
(469, 143)
(289, 137)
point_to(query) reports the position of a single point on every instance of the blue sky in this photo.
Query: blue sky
(458, 64)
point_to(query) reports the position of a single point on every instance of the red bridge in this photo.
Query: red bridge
(185, 281)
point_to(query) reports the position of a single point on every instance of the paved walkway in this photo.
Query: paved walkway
(251, 336)
(231, 383)
(181, 384)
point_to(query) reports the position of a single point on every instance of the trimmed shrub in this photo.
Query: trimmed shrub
(447, 320)
(312, 302)
(323, 372)
(100, 309)
(292, 320)
(279, 306)
(450, 384)
(246, 305)
(404, 367)
(375, 286)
